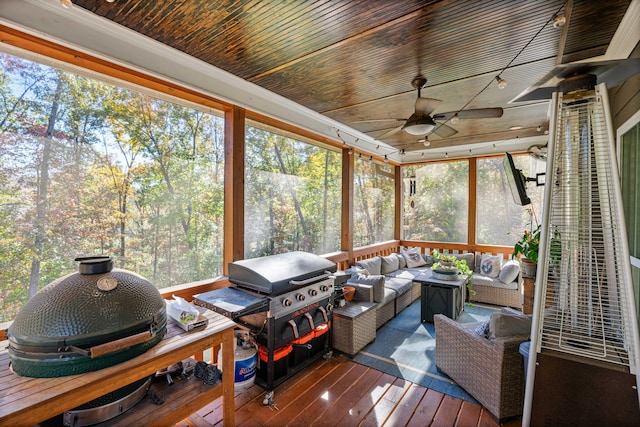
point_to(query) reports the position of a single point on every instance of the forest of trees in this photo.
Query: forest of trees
(436, 201)
(292, 195)
(89, 168)
(374, 202)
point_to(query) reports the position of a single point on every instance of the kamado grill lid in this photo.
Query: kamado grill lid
(86, 321)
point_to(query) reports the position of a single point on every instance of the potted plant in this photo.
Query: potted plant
(460, 264)
(450, 261)
(527, 248)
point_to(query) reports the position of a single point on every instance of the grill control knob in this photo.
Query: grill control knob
(287, 302)
(324, 288)
(300, 297)
(313, 292)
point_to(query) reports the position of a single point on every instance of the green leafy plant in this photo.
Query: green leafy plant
(460, 264)
(528, 245)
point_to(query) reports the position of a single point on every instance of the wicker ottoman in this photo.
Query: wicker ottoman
(354, 326)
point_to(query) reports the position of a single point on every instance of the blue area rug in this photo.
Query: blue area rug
(406, 348)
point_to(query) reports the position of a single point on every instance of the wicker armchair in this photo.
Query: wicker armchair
(492, 371)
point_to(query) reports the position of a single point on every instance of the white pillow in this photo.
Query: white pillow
(413, 257)
(490, 265)
(509, 271)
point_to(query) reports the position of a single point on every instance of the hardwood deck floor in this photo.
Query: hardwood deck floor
(340, 392)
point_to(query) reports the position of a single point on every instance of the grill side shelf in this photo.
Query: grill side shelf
(231, 302)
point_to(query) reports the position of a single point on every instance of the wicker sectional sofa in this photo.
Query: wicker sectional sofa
(389, 280)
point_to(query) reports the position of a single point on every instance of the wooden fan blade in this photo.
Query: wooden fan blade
(389, 133)
(444, 131)
(426, 105)
(476, 113)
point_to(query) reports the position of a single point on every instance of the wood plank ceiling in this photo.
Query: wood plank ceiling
(354, 60)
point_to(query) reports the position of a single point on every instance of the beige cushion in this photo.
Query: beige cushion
(506, 325)
(372, 265)
(402, 261)
(390, 263)
(377, 281)
(468, 258)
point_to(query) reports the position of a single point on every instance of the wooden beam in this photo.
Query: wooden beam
(472, 212)
(398, 207)
(346, 233)
(233, 186)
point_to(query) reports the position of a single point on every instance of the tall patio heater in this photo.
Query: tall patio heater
(584, 352)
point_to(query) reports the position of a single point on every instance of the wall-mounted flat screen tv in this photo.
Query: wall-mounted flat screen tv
(517, 181)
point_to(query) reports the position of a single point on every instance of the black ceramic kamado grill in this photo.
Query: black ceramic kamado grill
(85, 321)
(286, 303)
(88, 320)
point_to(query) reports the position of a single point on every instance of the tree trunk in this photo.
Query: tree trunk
(306, 244)
(365, 210)
(43, 194)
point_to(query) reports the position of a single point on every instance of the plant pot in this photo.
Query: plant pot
(528, 268)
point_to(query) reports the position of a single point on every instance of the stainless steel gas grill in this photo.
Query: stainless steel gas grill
(286, 303)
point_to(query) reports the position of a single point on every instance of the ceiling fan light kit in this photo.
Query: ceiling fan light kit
(420, 125)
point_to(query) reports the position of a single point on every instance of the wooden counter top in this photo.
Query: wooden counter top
(28, 401)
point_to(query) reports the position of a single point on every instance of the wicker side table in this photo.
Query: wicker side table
(354, 326)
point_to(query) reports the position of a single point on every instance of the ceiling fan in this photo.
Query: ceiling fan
(422, 122)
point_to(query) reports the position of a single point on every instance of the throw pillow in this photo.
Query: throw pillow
(468, 257)
(372, 265)
(377, 281)
(506, 325)
(413, 257)
(490, 265)
(390, 263)
(429, 260)
(355, 269)
(402, 261)
(509, 271)
(483, 329)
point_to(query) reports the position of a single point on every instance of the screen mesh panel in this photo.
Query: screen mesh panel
(585, 311)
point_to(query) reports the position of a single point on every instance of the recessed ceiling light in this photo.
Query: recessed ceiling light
(517, 127)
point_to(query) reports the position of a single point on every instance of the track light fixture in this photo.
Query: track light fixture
(402, 153)
(502, 83)
(385, 159)
(66, 3)
(455, 119)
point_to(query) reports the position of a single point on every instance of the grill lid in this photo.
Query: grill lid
(273, 274)
(102, 317)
